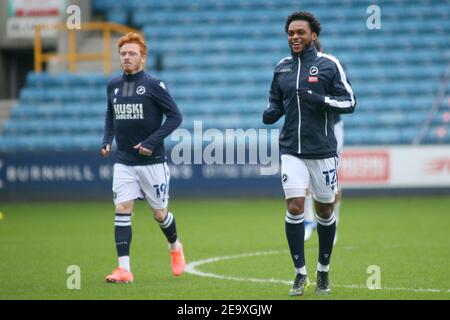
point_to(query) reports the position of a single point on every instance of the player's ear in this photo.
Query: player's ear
(314, 36)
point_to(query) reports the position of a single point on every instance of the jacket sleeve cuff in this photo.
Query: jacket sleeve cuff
(148, 144)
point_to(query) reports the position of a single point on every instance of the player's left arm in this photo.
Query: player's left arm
(170, 109)
(342, 98)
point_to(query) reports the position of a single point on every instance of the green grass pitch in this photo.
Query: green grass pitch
(408, 239)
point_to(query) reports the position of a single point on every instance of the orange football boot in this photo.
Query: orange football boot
(178, 262)
(120, 275)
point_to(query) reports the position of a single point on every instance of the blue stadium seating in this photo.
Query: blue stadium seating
(218, 57)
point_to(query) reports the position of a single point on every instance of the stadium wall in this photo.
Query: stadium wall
(31, 176)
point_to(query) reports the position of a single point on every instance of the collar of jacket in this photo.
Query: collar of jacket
(306, 55)
(133, 77)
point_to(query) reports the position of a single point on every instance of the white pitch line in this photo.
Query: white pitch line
(192, 269)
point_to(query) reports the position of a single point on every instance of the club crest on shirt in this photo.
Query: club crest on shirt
(313, 70)
(140, 90)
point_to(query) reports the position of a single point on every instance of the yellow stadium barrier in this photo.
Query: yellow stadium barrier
(72, 55)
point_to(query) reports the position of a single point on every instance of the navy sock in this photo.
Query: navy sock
(169, 228)
(295, 233)
(326, 229)
(122, 233)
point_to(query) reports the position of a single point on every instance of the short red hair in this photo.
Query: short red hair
(132, 37)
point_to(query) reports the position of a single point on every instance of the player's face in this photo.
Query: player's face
(300, 36)
(130, 58)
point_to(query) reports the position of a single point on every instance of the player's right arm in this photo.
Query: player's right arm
(274, 110)
(108, 134)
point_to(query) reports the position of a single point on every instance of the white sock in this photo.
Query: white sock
(175, 245)
(322, 268)
(124, 262)
(309, 211)
(301, 270)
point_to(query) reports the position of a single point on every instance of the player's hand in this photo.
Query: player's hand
(270, 115)
(309, 96)
(142, 150)
(104, 152)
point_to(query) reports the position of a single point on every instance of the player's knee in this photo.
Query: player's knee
(160, 214)
(324, 210)
(124, 207)
(295, 207)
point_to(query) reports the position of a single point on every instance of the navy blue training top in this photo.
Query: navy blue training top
(136, 105)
